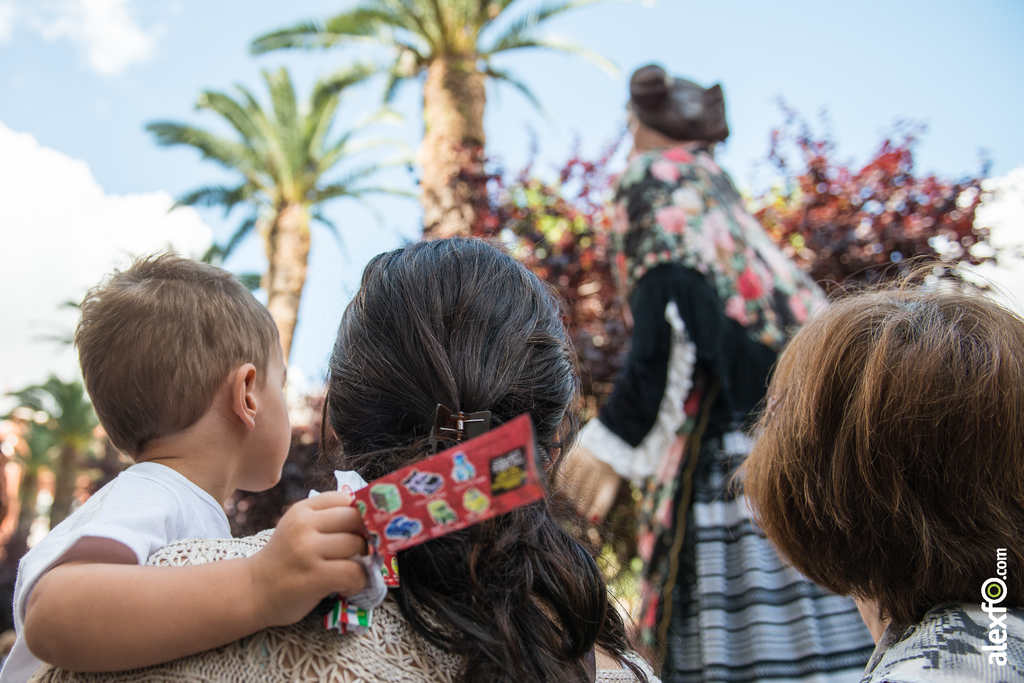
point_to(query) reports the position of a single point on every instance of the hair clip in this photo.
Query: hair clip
(449, 426)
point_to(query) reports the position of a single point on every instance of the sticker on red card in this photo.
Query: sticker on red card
(478, 479)
(385, 497)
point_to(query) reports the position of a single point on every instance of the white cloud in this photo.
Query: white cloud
(1003, 212)
(7, 14)
(61, 233)
(105, 31)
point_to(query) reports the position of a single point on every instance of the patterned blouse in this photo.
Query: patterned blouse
(951, 643)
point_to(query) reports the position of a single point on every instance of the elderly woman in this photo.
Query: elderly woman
(513, 599)
(712, 300)
(891, 468)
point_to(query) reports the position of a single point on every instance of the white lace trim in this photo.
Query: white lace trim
(642, 461)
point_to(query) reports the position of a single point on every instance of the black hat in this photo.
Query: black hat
(676, 107)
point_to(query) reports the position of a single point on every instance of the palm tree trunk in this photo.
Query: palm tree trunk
(27, 494)
(64, 485)
(5, 502)
(17, 543)
(287, 244)
(453, 183)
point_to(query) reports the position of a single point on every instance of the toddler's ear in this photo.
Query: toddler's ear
(243, 394)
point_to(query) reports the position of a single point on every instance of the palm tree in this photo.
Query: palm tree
(454, 43)
(283, 158)
(33, 454)
(72, 421)
(39, 441)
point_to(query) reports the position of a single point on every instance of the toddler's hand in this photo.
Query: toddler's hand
(308, 557)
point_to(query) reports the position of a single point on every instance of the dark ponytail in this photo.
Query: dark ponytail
(460, 323)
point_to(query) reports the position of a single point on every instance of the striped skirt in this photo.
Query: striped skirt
(737, 613)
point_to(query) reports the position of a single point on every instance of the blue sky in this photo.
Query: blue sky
(84, 81)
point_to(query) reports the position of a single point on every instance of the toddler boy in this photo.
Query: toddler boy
(185, 371)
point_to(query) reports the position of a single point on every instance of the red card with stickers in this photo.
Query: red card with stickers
(476, 480)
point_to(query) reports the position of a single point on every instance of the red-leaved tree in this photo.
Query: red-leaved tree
(847, 225)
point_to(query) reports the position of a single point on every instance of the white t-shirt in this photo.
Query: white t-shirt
(146, 507)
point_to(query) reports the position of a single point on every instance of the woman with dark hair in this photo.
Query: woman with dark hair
(890, 467)
(513, 599)
(712, 300)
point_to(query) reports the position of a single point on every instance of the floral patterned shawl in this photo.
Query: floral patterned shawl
(676, 205)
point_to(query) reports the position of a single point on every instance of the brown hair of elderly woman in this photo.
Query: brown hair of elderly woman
(890, 461)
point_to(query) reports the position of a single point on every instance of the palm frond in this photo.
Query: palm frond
(243, 231)
(333, 229)
(333, 154)
(345, 147)
(66, 403)
(229, 154)
(384, 115)
(28, 397)
(394, 81)
(286, 128)
(213, 255)
(236, 114)
(333, 191)
(522, 27)
(408, 65)
(324, 100)
(282, 98)
(417, 23)
(400, 146)
(362, 23)
(217, 195)
(39, 440)
(264, 136)
(344, 78)
(506, 77)
(393, 191)
(306, 35)
(317, 125)
(217, 253)
(251, 281)
(346, 187)
(273, 166)
(443, 35)
(560, 45)
(283, 153)
(310, 35)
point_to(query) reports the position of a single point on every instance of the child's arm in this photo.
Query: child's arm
(90, 615)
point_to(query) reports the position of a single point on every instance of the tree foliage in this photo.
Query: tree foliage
(55, 423)
(847, 225)
(417, 32)
(287, 164)
(282, 154)
(72, 421)
(841, 225)
(453, 44)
